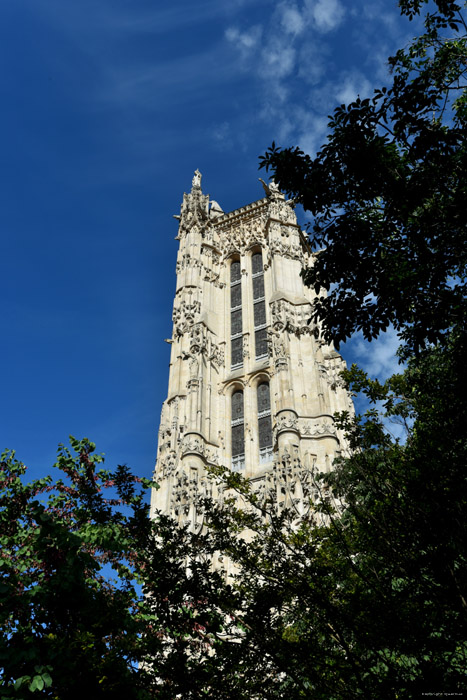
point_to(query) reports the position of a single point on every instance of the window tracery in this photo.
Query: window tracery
(263, 397)
(236, 343)
(259, 306)
(237, 430)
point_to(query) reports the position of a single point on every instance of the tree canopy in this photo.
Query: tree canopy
(387, 194)
(96, 599)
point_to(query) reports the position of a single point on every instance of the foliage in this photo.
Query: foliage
(387, 616)
(387, 194)
(58, 613)
(90, 586)
(366, 595)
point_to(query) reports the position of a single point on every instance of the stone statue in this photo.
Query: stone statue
(196, 182)
(271, 189)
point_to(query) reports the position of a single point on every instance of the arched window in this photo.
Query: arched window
(237, 431)
(264, 422)
(236, 341)
(259, 306)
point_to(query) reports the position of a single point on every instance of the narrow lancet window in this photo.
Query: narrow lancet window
(259, 306)
(236, 342)
(238, 431)
(264, 423)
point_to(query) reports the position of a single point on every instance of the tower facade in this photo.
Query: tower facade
(252, 387)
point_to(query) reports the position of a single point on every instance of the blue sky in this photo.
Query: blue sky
(108, 106)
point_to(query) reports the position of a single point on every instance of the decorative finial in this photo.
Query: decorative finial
(196, 182)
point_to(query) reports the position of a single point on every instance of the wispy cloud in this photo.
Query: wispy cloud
(277, 59)
(378, 358)
(350, 85)
(291, 19)
(297, 75)
(247, 41)
(281, 55)
(160, 20)
(327, 15)
(146, 86)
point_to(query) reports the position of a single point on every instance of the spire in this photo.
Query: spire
(195, 208)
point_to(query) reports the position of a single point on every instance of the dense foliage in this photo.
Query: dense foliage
(387, 196)
(95, 598)
(373, 603)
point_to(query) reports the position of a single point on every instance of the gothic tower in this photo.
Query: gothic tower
(251, 385)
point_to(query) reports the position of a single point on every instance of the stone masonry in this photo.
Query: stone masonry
(252, 387)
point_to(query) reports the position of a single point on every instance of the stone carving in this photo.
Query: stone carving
(165, 435)
(292, 249)
(243, 235)
(217, 356)
(330, 370)
(192, 444)
(201, 343)
(187, 261)
(280, 364)
(318, 427)
(211, 276)
(282, 485)
(215, 209)
(184, 315)
(168, 464)
(281, 210)
(246, 342)
(198, 339)
(286, 421)
(208, 233)
(196, 181)
(194, 212)
(210, 265)
(297, 370)
(222, 355)
(277, 350)
(271, 189)
(193, 385)
(291, 484)
(194, 367)
(293, 318)
(180, 500)
(213, 256)
(207, 263)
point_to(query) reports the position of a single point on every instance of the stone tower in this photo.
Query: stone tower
(251, 386)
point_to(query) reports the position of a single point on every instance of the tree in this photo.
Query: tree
(62, 623)
(387, 193)
(96, 599)
(366, 596)
(373, 603)
(372, 600)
